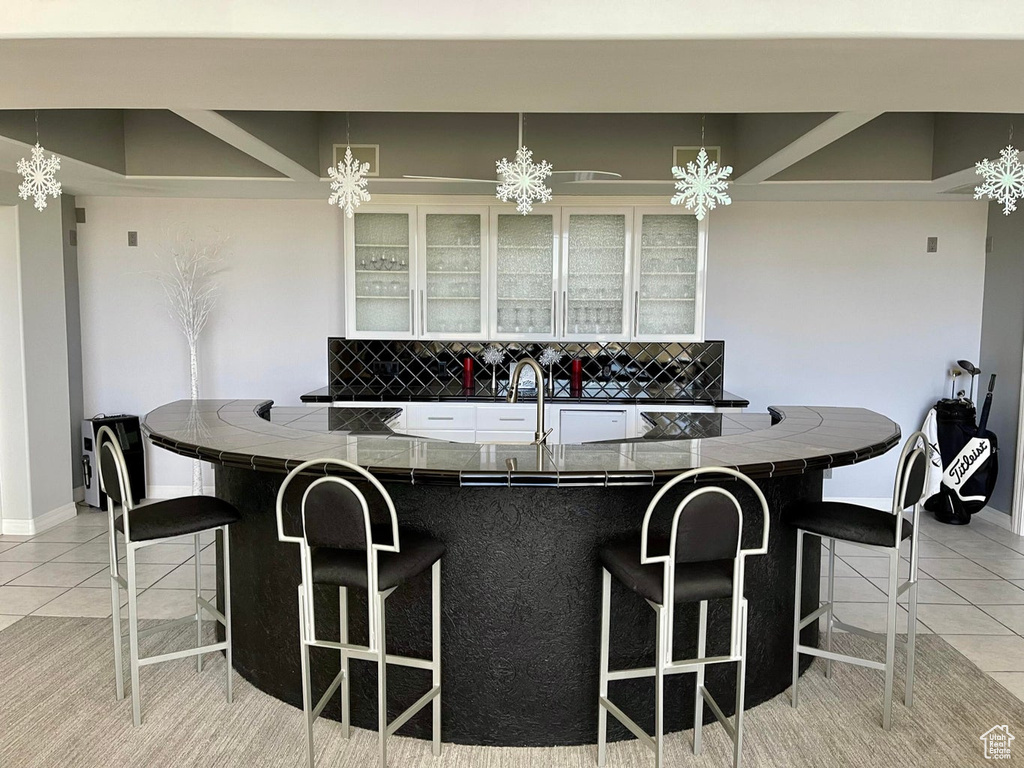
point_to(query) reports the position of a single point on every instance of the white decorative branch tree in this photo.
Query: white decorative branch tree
(187, 276)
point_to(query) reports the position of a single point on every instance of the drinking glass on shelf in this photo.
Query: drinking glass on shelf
(517, 317)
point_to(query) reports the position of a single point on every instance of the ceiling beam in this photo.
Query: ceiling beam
(806, 145)
(951, 181)
(228, 132)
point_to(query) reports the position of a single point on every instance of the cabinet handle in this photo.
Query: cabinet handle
(554, 331)
(636, 312)
(504, 418)
(440, 418)
(423, 313)
(412, 312)
(565, 313)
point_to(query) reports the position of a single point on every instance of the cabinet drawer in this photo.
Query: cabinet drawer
(451, 435)
(506, 417)
(505, 436)
(434, 416)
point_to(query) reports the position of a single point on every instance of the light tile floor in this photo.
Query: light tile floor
(971, 590)
(65, 571)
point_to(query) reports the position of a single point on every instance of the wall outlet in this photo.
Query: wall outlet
(933, 245)
(133, 239)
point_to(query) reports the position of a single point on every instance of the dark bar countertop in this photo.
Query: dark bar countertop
(593, 392)
(787, 440)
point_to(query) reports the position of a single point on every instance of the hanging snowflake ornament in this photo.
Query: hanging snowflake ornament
(701, 186)
(40, 175)
(348, 183)
(1003, 179)
(523, 180)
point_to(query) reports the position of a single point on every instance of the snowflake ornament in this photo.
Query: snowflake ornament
(550, 356)
(493, 355)
(1003, 179)
(348, 183)
(701, 186)
(40, 177)
(523, 180)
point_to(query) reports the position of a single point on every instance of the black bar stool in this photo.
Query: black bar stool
(341, 546)
(700, 561)
(882, 533)
(144, 526)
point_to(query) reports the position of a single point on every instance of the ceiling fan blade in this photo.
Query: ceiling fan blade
(585, 175)
(450, 178)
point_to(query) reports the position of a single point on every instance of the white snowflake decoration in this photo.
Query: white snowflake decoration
(702, 185)
(493, 355)
(40, 177)
(348, 182)
(523, 180)
(550, 356)
(1003, 179)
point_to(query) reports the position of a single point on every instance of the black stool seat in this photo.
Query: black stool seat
(694, 581)
(178, 517)
(848, 522)
(347, 567)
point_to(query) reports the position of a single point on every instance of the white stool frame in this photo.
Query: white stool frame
(665, 616)
(375, 651)
(915, 449)
(129, 584)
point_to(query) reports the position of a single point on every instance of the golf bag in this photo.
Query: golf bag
(969, 455)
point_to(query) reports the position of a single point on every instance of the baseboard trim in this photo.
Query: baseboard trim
(78, 494)
(44, 522)
(174, 491)
(876, 502)
(994, 516)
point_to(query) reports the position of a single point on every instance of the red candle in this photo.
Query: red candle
(576, 378)
(467, 373)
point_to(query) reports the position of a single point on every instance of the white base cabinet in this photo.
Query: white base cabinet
(570, 423)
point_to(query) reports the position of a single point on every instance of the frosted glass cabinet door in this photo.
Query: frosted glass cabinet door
(524, 284)
(596, 277)
(669, 286)
(453, 270)
(382, 280)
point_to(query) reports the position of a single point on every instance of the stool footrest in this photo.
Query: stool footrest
(162, 626)
(726, 723)
(182, 654)
(209, 608)
(817, 613)
(811, 651)
(403, 718)
(327, 694)
(623, 718)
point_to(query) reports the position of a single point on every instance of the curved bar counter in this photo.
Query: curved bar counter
(520, 579)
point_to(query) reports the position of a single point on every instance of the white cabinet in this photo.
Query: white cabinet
(452, 272)
(380, 280)
(588, 426)
(596, 273)
(669, 266)
(525, 273)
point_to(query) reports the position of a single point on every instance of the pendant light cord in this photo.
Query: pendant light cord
(37, 127)
(348, 139)
(522, 122)
(702, 130)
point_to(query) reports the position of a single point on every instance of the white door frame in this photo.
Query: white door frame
(1017, 505)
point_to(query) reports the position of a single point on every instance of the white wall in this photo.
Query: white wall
(819, 303)
(838, 304)
(280, 299)
(35, 438)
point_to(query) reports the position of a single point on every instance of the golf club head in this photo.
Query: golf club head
(969, 367)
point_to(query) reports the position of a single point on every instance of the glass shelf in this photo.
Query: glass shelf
(524, 267)
(382, 301)
(667, 275)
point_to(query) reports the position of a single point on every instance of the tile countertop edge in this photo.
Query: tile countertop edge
(324, 395)
(246, 418)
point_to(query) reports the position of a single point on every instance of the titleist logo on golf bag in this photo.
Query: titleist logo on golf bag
(967, 462)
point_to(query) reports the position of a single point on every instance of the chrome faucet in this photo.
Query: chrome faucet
(540, 436)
